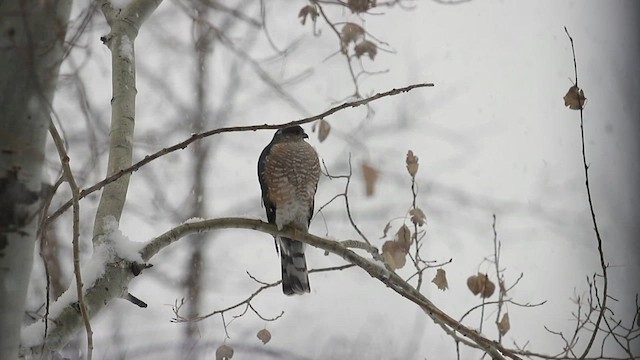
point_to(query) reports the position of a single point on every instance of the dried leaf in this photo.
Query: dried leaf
(504, 325)
(393, 255)
(350, 33)
(503, 287)
(308, 10)
(366, 47)
(386, 230)
(325, 128)
(574, 98)
(488, 289)
(441, 280)
(480, 284)
(224, 352)
(264, 335)
(360, 6)
(418, 217)
(370, 178)
(473, 283)
(403, 237)
(412, 164)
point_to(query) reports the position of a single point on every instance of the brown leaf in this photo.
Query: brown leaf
(264, 335)
(418, 217)
(403, 237)
(325, 128)
(360, 6)
(412, 164)
(503, 287)
(473, 283)
(441, 280)
(370, 178)
(488, 289)
(480, 284)
(574, 98)
(504, 325)
(386, 230)
(308, 10)
(366, 47)
(224, 352)
(393, 255)
(350, 33)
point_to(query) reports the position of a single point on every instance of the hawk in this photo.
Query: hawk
(288, 172)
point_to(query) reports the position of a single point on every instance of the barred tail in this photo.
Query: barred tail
(295, 280)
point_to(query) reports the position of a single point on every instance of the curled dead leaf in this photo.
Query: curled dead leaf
(574, 98)
(351, 33)
(412, 164)
(386, 230)
(441, 280)
(368, 48)
(224, 352)
(403, 237)
(480, 284)
(324, 130)
(418, 217)
(504, 325)
(310, 11)
(264, 335)
(370, 178)
(393, 255)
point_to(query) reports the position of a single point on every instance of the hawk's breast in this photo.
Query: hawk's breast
(291, 173)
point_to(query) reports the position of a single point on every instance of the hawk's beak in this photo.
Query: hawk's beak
(305, 136)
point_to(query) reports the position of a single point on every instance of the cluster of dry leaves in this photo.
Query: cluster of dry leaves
(396, 250)
(350, 33)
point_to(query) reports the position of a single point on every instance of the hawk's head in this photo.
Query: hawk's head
(290, 133)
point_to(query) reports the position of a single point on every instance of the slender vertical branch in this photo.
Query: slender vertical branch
(75, 192)
(603, 264)
(203, 45)
(496, 262)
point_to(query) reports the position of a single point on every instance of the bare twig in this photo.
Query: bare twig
(368, 247)
(501, 286)
(75, 191)
(603, 264)
(246, 302)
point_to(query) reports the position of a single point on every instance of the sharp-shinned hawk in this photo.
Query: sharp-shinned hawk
(288, 171)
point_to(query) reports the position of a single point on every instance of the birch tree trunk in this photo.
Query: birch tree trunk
(31, 38)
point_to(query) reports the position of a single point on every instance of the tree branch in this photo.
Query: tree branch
(75, 190)
(124, 25)
(196, 137)
(374, 269)
(603, 265)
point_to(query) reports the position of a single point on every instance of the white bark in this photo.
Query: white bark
(125, 25)
(31, 38)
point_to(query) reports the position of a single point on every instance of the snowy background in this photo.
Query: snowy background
(493, 137)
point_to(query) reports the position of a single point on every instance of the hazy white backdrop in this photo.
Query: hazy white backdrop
(493, 136)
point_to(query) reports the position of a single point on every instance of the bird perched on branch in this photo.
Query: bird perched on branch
(288, 171)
